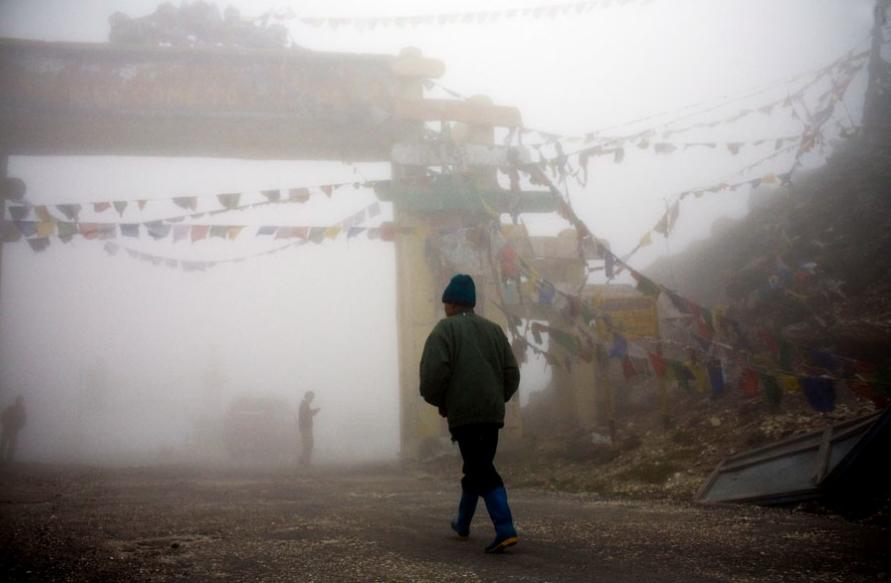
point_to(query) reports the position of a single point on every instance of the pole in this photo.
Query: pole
(610, 402)
(663, 394)
(4, 163)
(660, 380)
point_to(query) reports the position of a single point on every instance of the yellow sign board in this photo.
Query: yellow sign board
(632, 316)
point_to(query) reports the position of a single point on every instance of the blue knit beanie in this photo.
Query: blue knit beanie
(460, 291)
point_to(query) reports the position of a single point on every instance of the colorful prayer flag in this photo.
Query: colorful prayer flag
(748, 383)
(71, 211)
(619, 348)
(219, 231)
(682, 374)
(773, 394)
(8, 232)
(658, 363)
(716, 377)
(66, 231)
(229, 200)
(199, 232)
(317, 234)
(645, 285)
(18, 213)
(186, 202)
(43, 214)
(130, 229)
(298, 194)
(39, 244)
(181, 233)
(88, 230)
(819, 392)
(106, 231)
(157, 230)
(272, 195)
(46, 229)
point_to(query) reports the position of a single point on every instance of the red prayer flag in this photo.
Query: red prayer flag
(628, 368)
(658, 363)
(748, 383)
(88, 230)
(199, 232)
(388, 232)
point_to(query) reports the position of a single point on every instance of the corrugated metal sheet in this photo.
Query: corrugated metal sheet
(822, 464)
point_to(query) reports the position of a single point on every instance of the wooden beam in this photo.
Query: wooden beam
(464, 155)
(417, 66)
(76, 98)
(459, 111)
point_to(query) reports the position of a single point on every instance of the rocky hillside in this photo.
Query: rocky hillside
(812, 263)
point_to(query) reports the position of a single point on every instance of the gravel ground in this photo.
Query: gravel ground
(389, 524)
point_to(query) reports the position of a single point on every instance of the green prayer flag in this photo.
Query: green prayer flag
(66, 230)
(773, 394)
(220, 231)
(682, 374)
(785, 355)
(565, 339)
(645, 285)
(707, 318)
(317, 234)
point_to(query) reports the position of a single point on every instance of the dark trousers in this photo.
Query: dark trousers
(307, 441)
(478, 444)
(7, 445)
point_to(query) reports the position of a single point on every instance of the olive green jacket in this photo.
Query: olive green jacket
(468, 370)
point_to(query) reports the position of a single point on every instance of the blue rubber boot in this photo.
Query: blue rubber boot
(499, 511)
(466, 508)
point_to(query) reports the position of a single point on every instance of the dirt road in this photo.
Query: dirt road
(384, 524)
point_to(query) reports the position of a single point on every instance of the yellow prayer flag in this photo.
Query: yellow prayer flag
(701, 376)
(489, 210)
(43, 214)
(234, 231)
(769, 178)
(45, 229)
(788, 383)
(332, 232)
(647, 239)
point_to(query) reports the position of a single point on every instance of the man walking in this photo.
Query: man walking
(304, 424)
(468, 372)
(12, 419)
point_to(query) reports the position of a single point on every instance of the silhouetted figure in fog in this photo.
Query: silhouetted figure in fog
(12, 420)
(304, 423)
(469, 372)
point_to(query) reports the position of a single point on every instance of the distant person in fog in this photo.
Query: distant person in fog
(12, 419)
(304, 424)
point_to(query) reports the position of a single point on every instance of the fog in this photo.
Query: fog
(120, 360)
